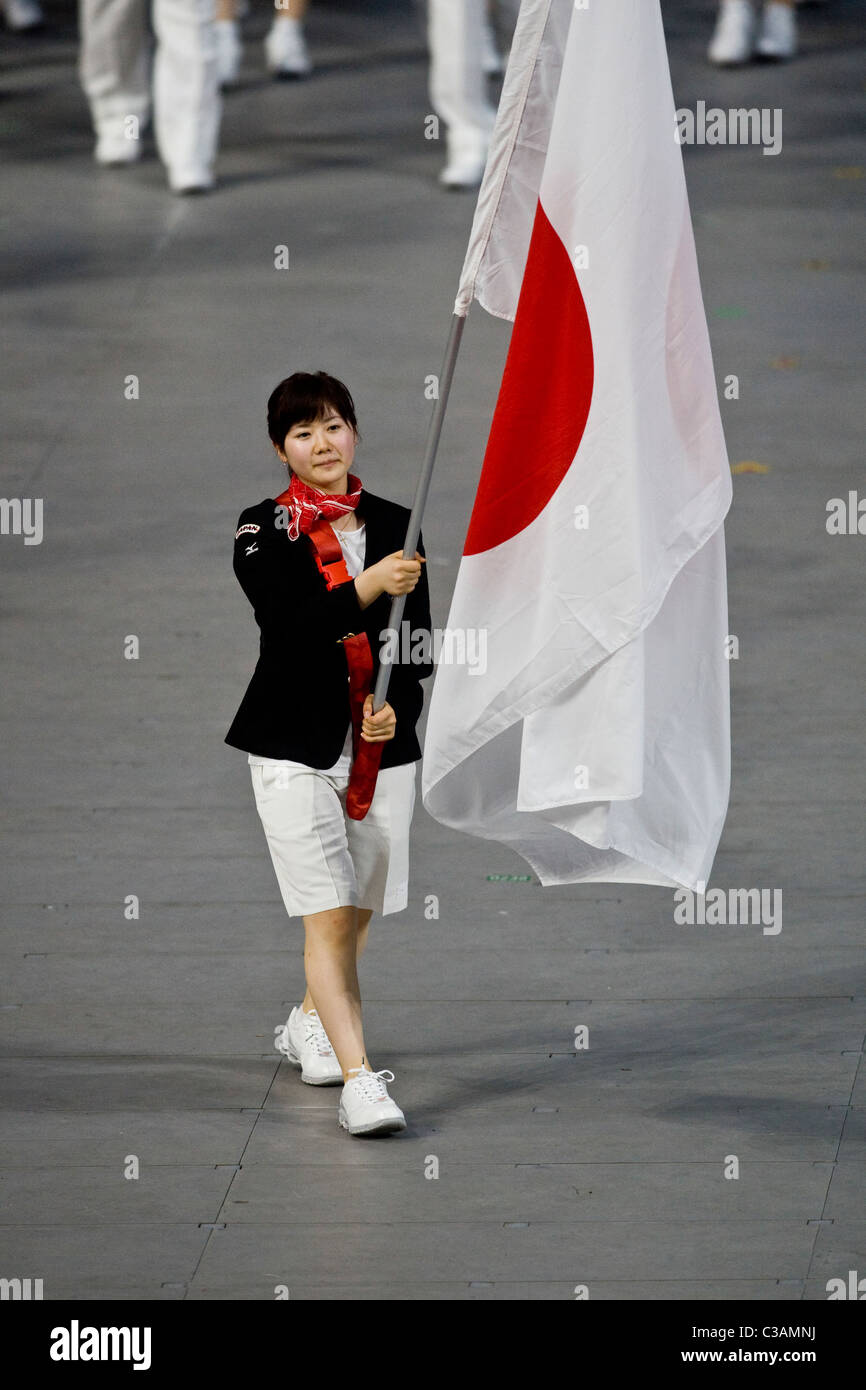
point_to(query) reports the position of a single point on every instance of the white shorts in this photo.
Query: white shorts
(322, 857)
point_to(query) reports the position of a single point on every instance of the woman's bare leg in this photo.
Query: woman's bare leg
(364, 915)
(334, 942)
(291, 9)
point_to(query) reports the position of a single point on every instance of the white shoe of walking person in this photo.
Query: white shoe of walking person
(185, 179)
(778, 40)
(306, 1044)
(734, 38)
(229, 50)
(21, 15)
(467, 157)
(366, 1107)
(286, 49)
(113, 146)
(492, 62)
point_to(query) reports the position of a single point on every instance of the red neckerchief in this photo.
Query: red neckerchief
(306, 504)
(311, 512)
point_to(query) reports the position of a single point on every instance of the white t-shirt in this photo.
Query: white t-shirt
(354, 547)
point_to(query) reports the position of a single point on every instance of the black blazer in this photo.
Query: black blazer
(297, 703)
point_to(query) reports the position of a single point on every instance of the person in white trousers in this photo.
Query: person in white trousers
(462, 54)
(115, 72)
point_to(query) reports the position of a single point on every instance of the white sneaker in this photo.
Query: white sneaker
(734, 38)
(113, 149)
(286, 49)
(467, 157)
(778, 39)
(366, 1107)
(21, 15)
(304, 1041)
(229, 50)
(492, 62)
(190, 180)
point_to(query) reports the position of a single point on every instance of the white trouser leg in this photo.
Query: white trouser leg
(186, 96)
(114, 63)
(457, 82)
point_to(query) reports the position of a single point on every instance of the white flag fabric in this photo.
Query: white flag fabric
(594, 737)
(499, 241)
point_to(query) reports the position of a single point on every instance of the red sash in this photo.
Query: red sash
(328, 554)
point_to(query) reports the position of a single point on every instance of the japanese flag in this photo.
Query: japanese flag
(593, 738)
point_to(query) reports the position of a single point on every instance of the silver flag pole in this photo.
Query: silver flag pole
(413, 529)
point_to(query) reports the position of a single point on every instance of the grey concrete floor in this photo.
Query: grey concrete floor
(153, 1037)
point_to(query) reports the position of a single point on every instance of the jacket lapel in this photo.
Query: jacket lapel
(379, 542)
(376, 541)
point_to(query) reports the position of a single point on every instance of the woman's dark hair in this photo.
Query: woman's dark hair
(304, 397)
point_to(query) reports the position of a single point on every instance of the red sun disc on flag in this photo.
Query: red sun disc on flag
(544, 398)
